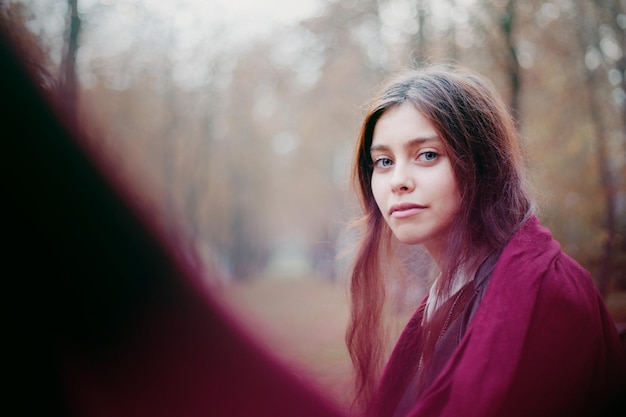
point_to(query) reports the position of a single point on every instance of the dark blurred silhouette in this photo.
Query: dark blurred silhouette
(103, 316)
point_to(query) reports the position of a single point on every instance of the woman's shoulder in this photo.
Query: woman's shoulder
(544, 291)
(533, 267)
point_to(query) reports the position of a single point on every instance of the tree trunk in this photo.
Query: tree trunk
(69, 77)
(420, 43)
(608, 188)
(612, 10)
(507, 24)
(589, 35)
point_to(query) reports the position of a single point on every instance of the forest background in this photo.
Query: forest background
(238, 130)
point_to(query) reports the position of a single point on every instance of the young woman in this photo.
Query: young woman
(512, 326)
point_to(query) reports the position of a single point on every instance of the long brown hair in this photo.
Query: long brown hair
(481, 139)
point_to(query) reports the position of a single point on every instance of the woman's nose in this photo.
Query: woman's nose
(401, 180)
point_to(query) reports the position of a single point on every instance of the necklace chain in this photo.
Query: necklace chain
(450, 312)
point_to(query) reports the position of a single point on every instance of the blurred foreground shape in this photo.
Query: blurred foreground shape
(101, 315)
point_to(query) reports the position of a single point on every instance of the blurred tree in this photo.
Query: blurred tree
(245, 160)
(507, 23)
(601, 33)
(421, 39)
(69, 75)
(453, 49)
(611, 28)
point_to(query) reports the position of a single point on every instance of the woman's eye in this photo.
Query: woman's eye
(383, 163)
(427, 156)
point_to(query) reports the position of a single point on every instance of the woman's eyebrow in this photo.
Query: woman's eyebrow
(409, 144)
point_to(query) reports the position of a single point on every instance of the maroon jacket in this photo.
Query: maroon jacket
(540, 344)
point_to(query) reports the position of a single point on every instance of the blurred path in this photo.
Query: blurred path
(303, 322)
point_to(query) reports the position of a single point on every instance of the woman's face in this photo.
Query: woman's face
(412, 180)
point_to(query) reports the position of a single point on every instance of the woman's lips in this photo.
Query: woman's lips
(400, 211)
